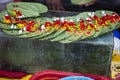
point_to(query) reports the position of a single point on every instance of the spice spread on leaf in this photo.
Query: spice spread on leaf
(62, 29)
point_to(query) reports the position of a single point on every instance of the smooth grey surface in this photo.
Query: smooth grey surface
(33, 55)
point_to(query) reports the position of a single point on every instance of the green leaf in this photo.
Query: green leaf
(80, 2)
(14, 32)
(57, 33)
(83, 15)
(32, 34)
(6, 26)
(2, 14)
(47, 33)
(62, 36)
(72, 38)
(28, 9)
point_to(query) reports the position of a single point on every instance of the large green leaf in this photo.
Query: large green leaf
(47, 33)
(14, 32)
(80, 2)
(72, 38)
(2, 14)
(25, 12)
(28, 9)
(46, 19)
(83, 15)
(6, 26)
(32, 34)
(87, 36)
(47, 37)
(57, 33)
(62, 36)
(99, 12)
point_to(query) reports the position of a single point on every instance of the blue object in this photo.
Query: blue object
(76, 78)
(116, 34)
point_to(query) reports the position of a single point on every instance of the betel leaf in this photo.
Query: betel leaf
(2, 14)
(86, 35)
(99, 12)
(47, 33)
(14, 32)
(72, 38)
(47, 37)
(80, 2)
(83, 15)
(111, 26)
(5, 13)
(58, 32)
(27, 9)
(39, 7)
(62, 36)
(25, 12)
(6, 26)
(32, 34)
(43, 32)
(46, 19)
(75, 36)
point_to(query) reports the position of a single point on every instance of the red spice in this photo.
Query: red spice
(28, 29)
(92, 26)
(115, 16)
(93, 17)
(7, 19)
(57, 23)
(71, 24)
(82, 25)
(48, 24)
(64, 24)
(88, 32)
(17, 20)
(19, 13)
(29, 26)
(22, 22)
(104, 21)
